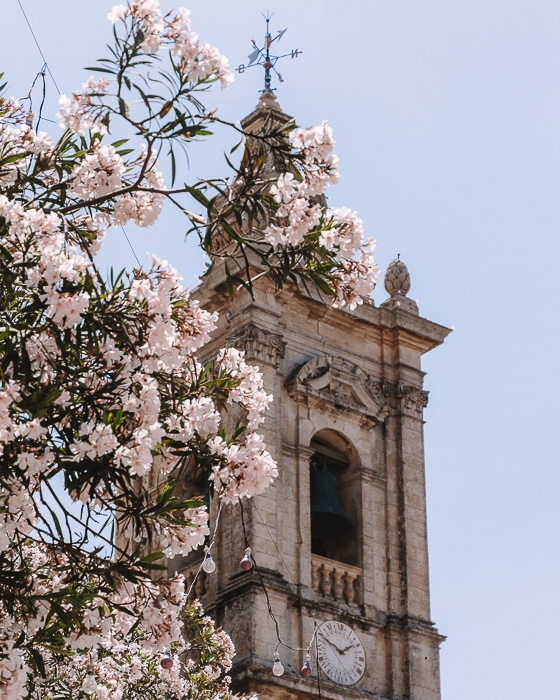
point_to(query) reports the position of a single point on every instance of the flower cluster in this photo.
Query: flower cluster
(100, 172)
(93, 399)
(18, 142)
(82, 111)
(125, 668)
(301, 212)
(103, 396)
(199, 61)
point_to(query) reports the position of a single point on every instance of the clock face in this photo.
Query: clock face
(341, 653)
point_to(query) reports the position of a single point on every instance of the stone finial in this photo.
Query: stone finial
(397, 278)
(267, 115)
(269, 100)
(397, 285)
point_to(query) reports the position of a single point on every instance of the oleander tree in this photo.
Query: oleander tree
(102, 397)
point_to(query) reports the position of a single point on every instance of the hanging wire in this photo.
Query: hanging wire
(130, 244)
(28, 97)
(273, 540)
(271, 614)
(43, 97)
(207, 549)
(41, 72)
(38, 46)
(318, 668)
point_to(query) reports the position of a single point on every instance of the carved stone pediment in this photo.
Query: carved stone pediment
(341, 385)
(258, 344)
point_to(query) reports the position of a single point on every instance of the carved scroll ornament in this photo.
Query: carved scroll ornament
(258, 344)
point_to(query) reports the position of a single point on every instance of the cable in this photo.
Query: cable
(43, 97)
(130, 244)
(38, 46)
(268, 603)
(274, 543)
(42, 73)
(318, 671)
(207, 549)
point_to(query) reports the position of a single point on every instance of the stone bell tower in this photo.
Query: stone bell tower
(339, 540)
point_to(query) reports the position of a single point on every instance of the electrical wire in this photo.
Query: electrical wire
(38, 46)
(43, 98)
(130, 244)
(274, 543)
(206, 549)
(28, 97)
(270, 612)
(307, 649)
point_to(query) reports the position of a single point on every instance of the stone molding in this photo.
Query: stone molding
(258, 344)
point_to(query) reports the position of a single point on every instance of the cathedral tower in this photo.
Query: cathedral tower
(339, 540)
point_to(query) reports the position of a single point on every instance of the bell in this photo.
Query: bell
(328, 517)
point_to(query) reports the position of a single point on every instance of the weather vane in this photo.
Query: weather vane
(262, 56)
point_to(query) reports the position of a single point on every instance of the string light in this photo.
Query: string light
(208, 561)
(209, 565)
(306, 669)
(89, 686)
(166, 660)
(277, 667)
(246, 563)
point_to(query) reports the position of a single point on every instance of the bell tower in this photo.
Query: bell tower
(339, 540)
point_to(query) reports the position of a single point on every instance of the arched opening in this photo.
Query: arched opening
(335, 498)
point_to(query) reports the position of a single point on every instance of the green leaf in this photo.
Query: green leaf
(197, 194)
(99, 69)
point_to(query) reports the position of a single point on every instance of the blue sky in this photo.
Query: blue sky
(446, 118)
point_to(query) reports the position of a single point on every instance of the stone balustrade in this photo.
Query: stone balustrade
(338, 581)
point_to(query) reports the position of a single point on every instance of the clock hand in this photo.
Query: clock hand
(338, 651)
(333, 645)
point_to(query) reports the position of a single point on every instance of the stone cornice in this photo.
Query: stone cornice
(414, 624)
(257, 673)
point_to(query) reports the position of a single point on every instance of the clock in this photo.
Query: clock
(340, 652)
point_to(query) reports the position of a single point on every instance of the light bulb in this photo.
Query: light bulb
(166, 660)
(29, 118)
(277, 667)
(209, 565)
(246, 563)
(306, 668)
(89, 685)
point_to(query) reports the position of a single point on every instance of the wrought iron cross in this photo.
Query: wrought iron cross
(263, 57)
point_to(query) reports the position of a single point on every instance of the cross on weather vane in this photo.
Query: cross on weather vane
(263, 57)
